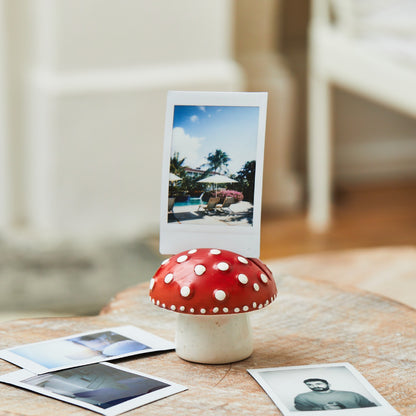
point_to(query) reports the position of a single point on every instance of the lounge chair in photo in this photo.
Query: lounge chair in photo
(210, 206)
(225, 206)
(171, 202)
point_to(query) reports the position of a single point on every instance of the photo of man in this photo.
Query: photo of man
(320, 389)
(322, 397)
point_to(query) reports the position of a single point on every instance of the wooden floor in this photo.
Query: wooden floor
(363, 216)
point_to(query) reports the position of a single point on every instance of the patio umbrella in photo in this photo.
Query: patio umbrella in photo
(216, 179)
(173, 177)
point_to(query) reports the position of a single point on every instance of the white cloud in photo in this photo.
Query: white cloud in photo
(188, 147)
(202, 108)
(194, 118)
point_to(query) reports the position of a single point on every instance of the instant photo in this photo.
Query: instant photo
(103, 388)
(212, 171)
(322, 390)
(86, 348)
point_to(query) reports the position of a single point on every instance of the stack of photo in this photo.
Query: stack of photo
(74, 369)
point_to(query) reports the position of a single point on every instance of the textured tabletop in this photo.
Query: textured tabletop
(311, 322)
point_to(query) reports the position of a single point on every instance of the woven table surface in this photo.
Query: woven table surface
(311, 322)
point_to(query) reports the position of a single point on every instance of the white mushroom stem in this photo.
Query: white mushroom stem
(214, 339)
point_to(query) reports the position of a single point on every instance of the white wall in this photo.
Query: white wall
(4, 149)
(95, 75)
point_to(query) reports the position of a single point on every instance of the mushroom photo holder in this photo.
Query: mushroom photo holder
(212, 291)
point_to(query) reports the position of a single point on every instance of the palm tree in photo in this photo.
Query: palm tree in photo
(177, 168)
(218, 161)
(176, 165)
(246, 177)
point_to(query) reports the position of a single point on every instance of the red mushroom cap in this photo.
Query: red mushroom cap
(212, 281)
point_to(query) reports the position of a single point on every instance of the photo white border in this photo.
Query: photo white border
(386, 409)
(16, 379)
(244, 240)
(134, 333)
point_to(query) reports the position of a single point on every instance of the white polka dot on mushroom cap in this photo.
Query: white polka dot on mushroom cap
(242, 278)
(225, 310)
(223, 266)
(193, 251)
(256, 287)
(220, 295)
(181, 259)
(200, 269)
(264, 278)
(168, 278)
(185, 291)
(165, 262)
(215, 310)
(242, 260)
(215, 251)
(173, 307)
(152, 283)
(203, 310)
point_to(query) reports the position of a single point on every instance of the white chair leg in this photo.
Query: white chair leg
(319, 153)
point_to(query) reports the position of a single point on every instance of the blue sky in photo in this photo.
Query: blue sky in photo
(200, 130)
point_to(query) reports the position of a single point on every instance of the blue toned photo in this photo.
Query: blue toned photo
(86, 348)
(103, 388)
(73, 351)
(213, 165)
(212, 171)
(97, 384)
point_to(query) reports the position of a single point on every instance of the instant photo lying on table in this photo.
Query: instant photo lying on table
(322, 389)
(86, 348)
(103, 388)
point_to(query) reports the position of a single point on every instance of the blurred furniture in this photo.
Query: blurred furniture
(257, 48)
(312, 321)
(368, 49)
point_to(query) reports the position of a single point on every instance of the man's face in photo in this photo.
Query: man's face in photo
(317, 385)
